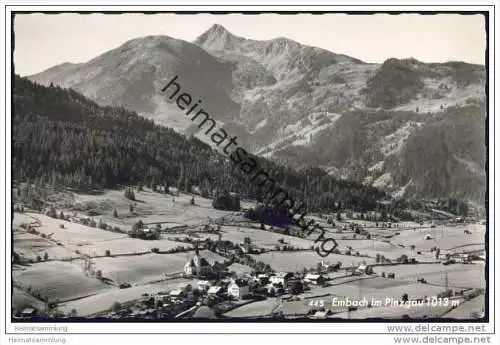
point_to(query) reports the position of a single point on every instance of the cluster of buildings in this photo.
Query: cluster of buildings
(217, 286)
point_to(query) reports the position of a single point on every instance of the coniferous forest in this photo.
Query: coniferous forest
(61, 138)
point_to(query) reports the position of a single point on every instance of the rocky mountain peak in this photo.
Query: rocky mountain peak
(217, 38)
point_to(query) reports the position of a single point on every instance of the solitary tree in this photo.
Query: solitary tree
(437, 253)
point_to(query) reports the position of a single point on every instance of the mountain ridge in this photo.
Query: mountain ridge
(290, 101)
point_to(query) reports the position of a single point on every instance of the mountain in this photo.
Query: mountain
(305, 106)
(132, 76)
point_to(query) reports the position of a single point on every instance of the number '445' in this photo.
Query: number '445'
(317, 303)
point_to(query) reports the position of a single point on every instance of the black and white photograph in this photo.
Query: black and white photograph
(248, 166)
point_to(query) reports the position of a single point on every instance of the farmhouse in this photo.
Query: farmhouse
(281, 278)
(363, 269)
(28, 312)
(263, 278)
(238, 289)
(328, 267)
(215, 290)
(204, 285)
(177, 293)
(315, 279)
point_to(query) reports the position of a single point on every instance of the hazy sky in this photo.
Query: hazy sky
(45, 40)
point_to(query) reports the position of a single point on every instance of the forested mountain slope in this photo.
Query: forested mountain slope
(61, 137)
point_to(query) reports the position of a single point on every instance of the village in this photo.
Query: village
(174, 256)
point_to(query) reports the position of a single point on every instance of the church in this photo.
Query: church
(197, 266)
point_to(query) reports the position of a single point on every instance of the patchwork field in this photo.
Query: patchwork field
(459, 276)
(150, 207)
(389, 250)
(30, 246)
(21, 300)
(467, 308)
(377, 288)
(296, 261)
(444, 237)
(127, 246)
(255, 309)
(262, 238)
(141, 269)
(58, 280)
(62, 277)
(104, 300)
(73, 233)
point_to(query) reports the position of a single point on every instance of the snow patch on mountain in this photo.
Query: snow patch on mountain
(384, 181)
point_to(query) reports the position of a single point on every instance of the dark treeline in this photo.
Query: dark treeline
(61, 138)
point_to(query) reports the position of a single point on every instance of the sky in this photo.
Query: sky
(45, 40)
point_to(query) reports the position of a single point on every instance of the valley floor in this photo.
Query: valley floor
(68, 268)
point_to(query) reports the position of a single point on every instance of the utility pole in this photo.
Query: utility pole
(359, 290)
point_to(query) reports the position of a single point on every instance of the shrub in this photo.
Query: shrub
(116, 307)
(102, 225)
(52, 212)
(108, 252)
(129, 194)
(447, 293)
(403, 259)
